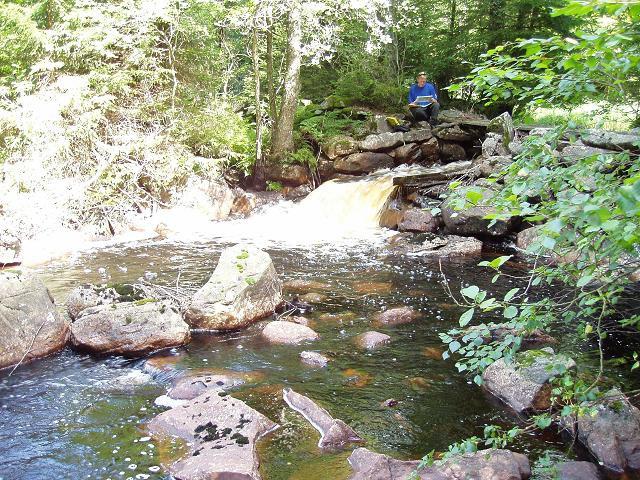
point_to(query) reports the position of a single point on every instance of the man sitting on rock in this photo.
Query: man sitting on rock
(423, 101)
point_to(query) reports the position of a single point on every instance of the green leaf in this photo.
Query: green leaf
(510, 312)
(510, 294)
(471, 291)
(474, 196)
(584, 280)
(454, 346)
(466, 317)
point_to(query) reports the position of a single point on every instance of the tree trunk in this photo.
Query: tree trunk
(282, 137)
(271, 90)
(453, 7)
(258, 168)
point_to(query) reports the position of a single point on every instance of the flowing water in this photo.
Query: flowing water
(73, 416)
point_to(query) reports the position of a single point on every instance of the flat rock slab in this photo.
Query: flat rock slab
(221, 432)
(288, 333)
(30, 326)
(192, 386)
(334, 433)
(612, 435)
(524, 384)
(243, 288)
(129, 329)
(482, 465)
(397, 316)
(372, 340)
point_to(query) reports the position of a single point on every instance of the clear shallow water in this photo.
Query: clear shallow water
(66, 417)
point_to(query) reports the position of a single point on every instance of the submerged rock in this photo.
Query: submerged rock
(334, 433)
(288, 333)
(244, 288)
(192, 386)
(524, 384)
(314, 358)
(481, 465)
(30, 326)
(131, 329)
(313, 297)
(363, 162)
(372, 340)
(305, 286)
(612, 434)
(221, 432)
(397, 316)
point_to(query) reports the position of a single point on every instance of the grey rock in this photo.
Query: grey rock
(10, 248)
(452, 152)
(503, 125)
(192, 386)
(243, 288)
(363, 162)
(452, 133)
(430, 151)
(325, 169)
(221, 433)
(612, 435)
(213, 197)
(457, 116)
(527, 237)
(246, 203)
(87, 296)
(611, 140)
(335, 434)
(418, 135)
(471, 220)
(372, 340)
(577, 471)
(488, 166)
(438, 246)
(314, 358)
(339, 146)
(524, 384)
(288, 333)
(381, 141)
(292, 175)
(381, 124)
(493, 146)
(129, 329)
(573, 153)
(409, 153)
(418, 220)
(481, 465)
(28, 314)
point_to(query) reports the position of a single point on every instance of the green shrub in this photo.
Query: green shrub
(304, 156)
(330, 124)
(20, 42)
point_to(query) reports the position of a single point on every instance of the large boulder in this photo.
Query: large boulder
(244, 288)
(503, 125)
(452, 133)
(30, 326)
(334, 433)
(246, 202)
(213, 198)
(418, 220)
(221, 434)
(471, 221)
(492, 165)
(436, 246)
(577, 471)
(524, 383)
(452, 152)
(289, 174)
(493, 146)
(481, 465)
(130, 329)
(418, 135)
(430, 151)
(572, 153)
(612, 433)
(87, 296)
(339, 146)
(10, 248)
(382, 141)
(611, 140)
(363, 162)
(457, 116)
(408, 153)
(288, 333)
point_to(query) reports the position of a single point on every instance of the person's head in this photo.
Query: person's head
(421, 79)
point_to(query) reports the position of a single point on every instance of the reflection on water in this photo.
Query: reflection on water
(67, 416)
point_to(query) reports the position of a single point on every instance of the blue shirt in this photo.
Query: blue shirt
(428, 90)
